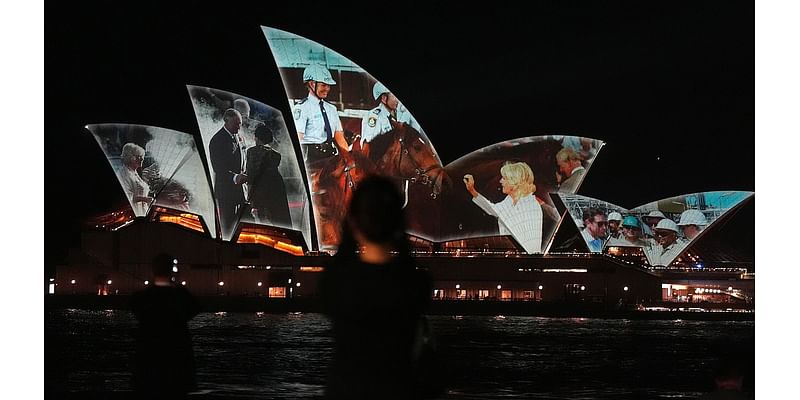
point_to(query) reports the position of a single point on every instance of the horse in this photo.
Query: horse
(401, 154)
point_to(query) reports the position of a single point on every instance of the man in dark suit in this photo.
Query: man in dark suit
(225, 151)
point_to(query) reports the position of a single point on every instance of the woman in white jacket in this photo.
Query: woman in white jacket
(520, 213)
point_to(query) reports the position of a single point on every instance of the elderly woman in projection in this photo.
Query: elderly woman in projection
(519, 214)
(137, 190)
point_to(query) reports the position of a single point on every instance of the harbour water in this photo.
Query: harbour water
(284, 356)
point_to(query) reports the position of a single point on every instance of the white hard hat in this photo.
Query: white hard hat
(378, 89)
(693, 217)
(318, 73)
(667, 224)
(655, 214)
(615, 216)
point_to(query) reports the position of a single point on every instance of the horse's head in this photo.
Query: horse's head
(410, 157)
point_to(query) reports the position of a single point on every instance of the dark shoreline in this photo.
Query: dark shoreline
(438, 307)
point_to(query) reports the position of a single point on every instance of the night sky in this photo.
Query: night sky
(669, 88)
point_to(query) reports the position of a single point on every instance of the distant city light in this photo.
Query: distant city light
(183, 283)
(583, 287)
(499, 287)
(72, 281)
(541, 287)
(146, 282)
(109, 281)
(290, 280)
(259, 284)
(221, 283)
(458, 286)
(730, 288)
(298, 284)
(625, 288)
(52, 279)
(175, 261)
(175, 268)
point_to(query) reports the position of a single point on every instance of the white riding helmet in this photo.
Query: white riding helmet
(615, 216)
(693, 217)
(378, 89)
(318, 73)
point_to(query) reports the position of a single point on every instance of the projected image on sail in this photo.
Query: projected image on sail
(253, 166)
(504, 188)
(157, 166)
(661, 231)
(350, 125)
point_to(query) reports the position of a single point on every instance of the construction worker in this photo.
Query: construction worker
(318, 125)
(630, 235)
(669, 245)
(614, 219)
(692, 222)
(651, 220)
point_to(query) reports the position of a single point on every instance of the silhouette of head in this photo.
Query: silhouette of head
(162, 265)
(376, 211)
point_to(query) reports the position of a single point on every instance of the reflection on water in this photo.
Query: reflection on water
(258, 355)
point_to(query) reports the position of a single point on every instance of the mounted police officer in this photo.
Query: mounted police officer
(379, 119)
(317, 121)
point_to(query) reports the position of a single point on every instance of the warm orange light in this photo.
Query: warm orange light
(312, 269)
(246, 237)
(185, 220)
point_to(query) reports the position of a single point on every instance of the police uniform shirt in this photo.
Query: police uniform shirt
(308, 120)
(377, 121)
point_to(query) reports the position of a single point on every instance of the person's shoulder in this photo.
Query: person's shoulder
(219, 135)
(376, 111)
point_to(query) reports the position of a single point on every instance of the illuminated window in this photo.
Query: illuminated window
(438, 293)
(461, 294)
(505, 295)
(527, 295)
(482, 294)
(277, 292)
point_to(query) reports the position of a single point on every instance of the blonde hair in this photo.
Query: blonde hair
(130, 150)
(520, 176)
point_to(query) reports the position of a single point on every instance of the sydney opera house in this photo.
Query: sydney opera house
(251, 204)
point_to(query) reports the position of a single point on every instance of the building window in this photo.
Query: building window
(277, 292)
(461, 294)
(528, 295)
(482, 294)
(438, 293)
(505, 295)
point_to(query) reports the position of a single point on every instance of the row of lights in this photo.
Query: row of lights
(704, 290)
(147, 282)
(458, 286)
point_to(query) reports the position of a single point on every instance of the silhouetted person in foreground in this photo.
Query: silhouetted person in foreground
(164, 363)
(375, 297)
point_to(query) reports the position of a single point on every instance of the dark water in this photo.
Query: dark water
(256, 355)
